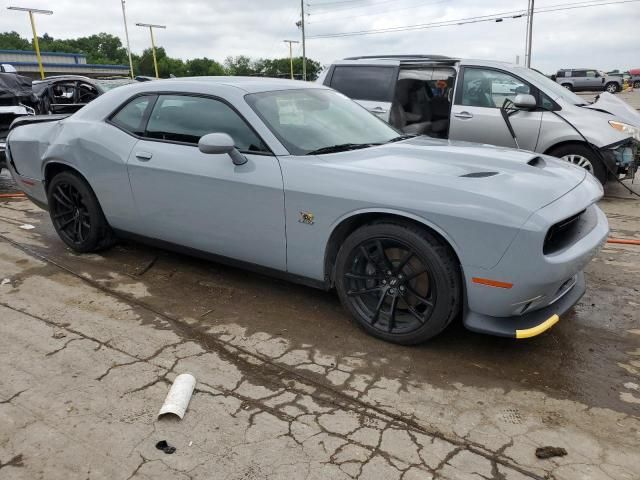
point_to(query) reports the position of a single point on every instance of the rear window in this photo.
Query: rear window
(365, 83)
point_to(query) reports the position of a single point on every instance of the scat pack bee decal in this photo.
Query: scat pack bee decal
(307, 218)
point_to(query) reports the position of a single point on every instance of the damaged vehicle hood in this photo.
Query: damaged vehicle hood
(608, 103)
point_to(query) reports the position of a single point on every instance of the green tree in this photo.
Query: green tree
(239, 66)
(204, 67)
(13, 41)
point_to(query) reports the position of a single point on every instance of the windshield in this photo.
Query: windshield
(550, 87)
(307, 120)
(111, 84)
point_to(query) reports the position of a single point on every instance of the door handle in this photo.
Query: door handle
(378, 110)
(144, 156)
(463, 115)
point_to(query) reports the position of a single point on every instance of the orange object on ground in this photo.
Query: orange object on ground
(12, 195)
(624, 241)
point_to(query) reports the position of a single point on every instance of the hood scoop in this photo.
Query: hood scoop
(479, 174)
(537, 162)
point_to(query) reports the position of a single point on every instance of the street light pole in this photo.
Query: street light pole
(529, 33)
(36, 45)
(290, 42)
(153, 43)
(304, 44)
(126, 33)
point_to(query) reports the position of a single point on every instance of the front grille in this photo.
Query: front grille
(561, 234)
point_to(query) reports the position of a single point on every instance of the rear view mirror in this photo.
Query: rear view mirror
(219, 143)
(525, 101)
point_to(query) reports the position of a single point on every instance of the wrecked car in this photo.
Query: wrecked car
(493, 102)
(294, 179)
(65, 94)
(16, 100)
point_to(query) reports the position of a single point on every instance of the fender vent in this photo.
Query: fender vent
(479, 174)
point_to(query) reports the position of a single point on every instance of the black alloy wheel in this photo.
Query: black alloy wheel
(76, 214)
(400, 284)
(69, 214)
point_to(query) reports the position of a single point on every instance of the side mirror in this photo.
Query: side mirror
(597, 75)
(219, 143)
(525, 101)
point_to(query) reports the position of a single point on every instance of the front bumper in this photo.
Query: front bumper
(530, 324)
(529, 285)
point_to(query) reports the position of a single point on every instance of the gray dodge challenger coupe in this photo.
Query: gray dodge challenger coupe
(297, 180)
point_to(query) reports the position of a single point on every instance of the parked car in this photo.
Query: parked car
(66, 93)
(461, 100)
(634, 74)
(588, 79)
(296, 179)
(16, 99)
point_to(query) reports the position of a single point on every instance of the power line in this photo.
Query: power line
(332, 10)
(478, 19)
(416, 6)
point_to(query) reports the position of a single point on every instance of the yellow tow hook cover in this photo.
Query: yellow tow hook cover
(538, 329)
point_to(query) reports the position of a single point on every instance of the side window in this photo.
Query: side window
(568, 73)
(591, 73)
(63, 93)
(579, 73)
(131, 117)
(365, 83)
(490, 88)
(86, 92)
(182, 118)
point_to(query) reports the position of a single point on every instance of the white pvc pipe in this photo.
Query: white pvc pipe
(179, 395)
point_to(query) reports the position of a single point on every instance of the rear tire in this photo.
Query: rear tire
(636, 84)
(568, 86)
(611, 87)
(76, 214)
(584, 157)
(399, 282)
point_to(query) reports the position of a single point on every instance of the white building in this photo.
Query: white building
(26, 63)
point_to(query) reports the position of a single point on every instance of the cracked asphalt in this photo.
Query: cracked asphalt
(287, 387)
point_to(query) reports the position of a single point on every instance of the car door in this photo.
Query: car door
(476, 116)
(63, 96)
(580, 80)
(204, 201)
(595, 80)
(371, 86)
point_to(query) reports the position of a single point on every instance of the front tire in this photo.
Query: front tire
(76, 214)
(399, 282)
(584, 157)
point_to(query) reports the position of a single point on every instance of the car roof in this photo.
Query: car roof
(247, 84)
(55, 78)
(408, 60)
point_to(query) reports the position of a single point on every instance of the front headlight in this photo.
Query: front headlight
(626, 128)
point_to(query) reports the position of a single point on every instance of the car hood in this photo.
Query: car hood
(527, 179)
(609, 103)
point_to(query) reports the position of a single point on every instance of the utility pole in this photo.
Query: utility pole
(291, 54)
(153, 43)
(529, 33)
(36, 46)
(126, 33)
(304, 45)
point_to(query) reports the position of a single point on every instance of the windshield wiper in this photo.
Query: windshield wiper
(402, 137)
(342, 147)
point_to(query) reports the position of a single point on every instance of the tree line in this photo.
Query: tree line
(107, 49)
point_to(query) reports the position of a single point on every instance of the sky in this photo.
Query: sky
(603, 37)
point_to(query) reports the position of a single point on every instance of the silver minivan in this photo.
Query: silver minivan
(494, 103)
